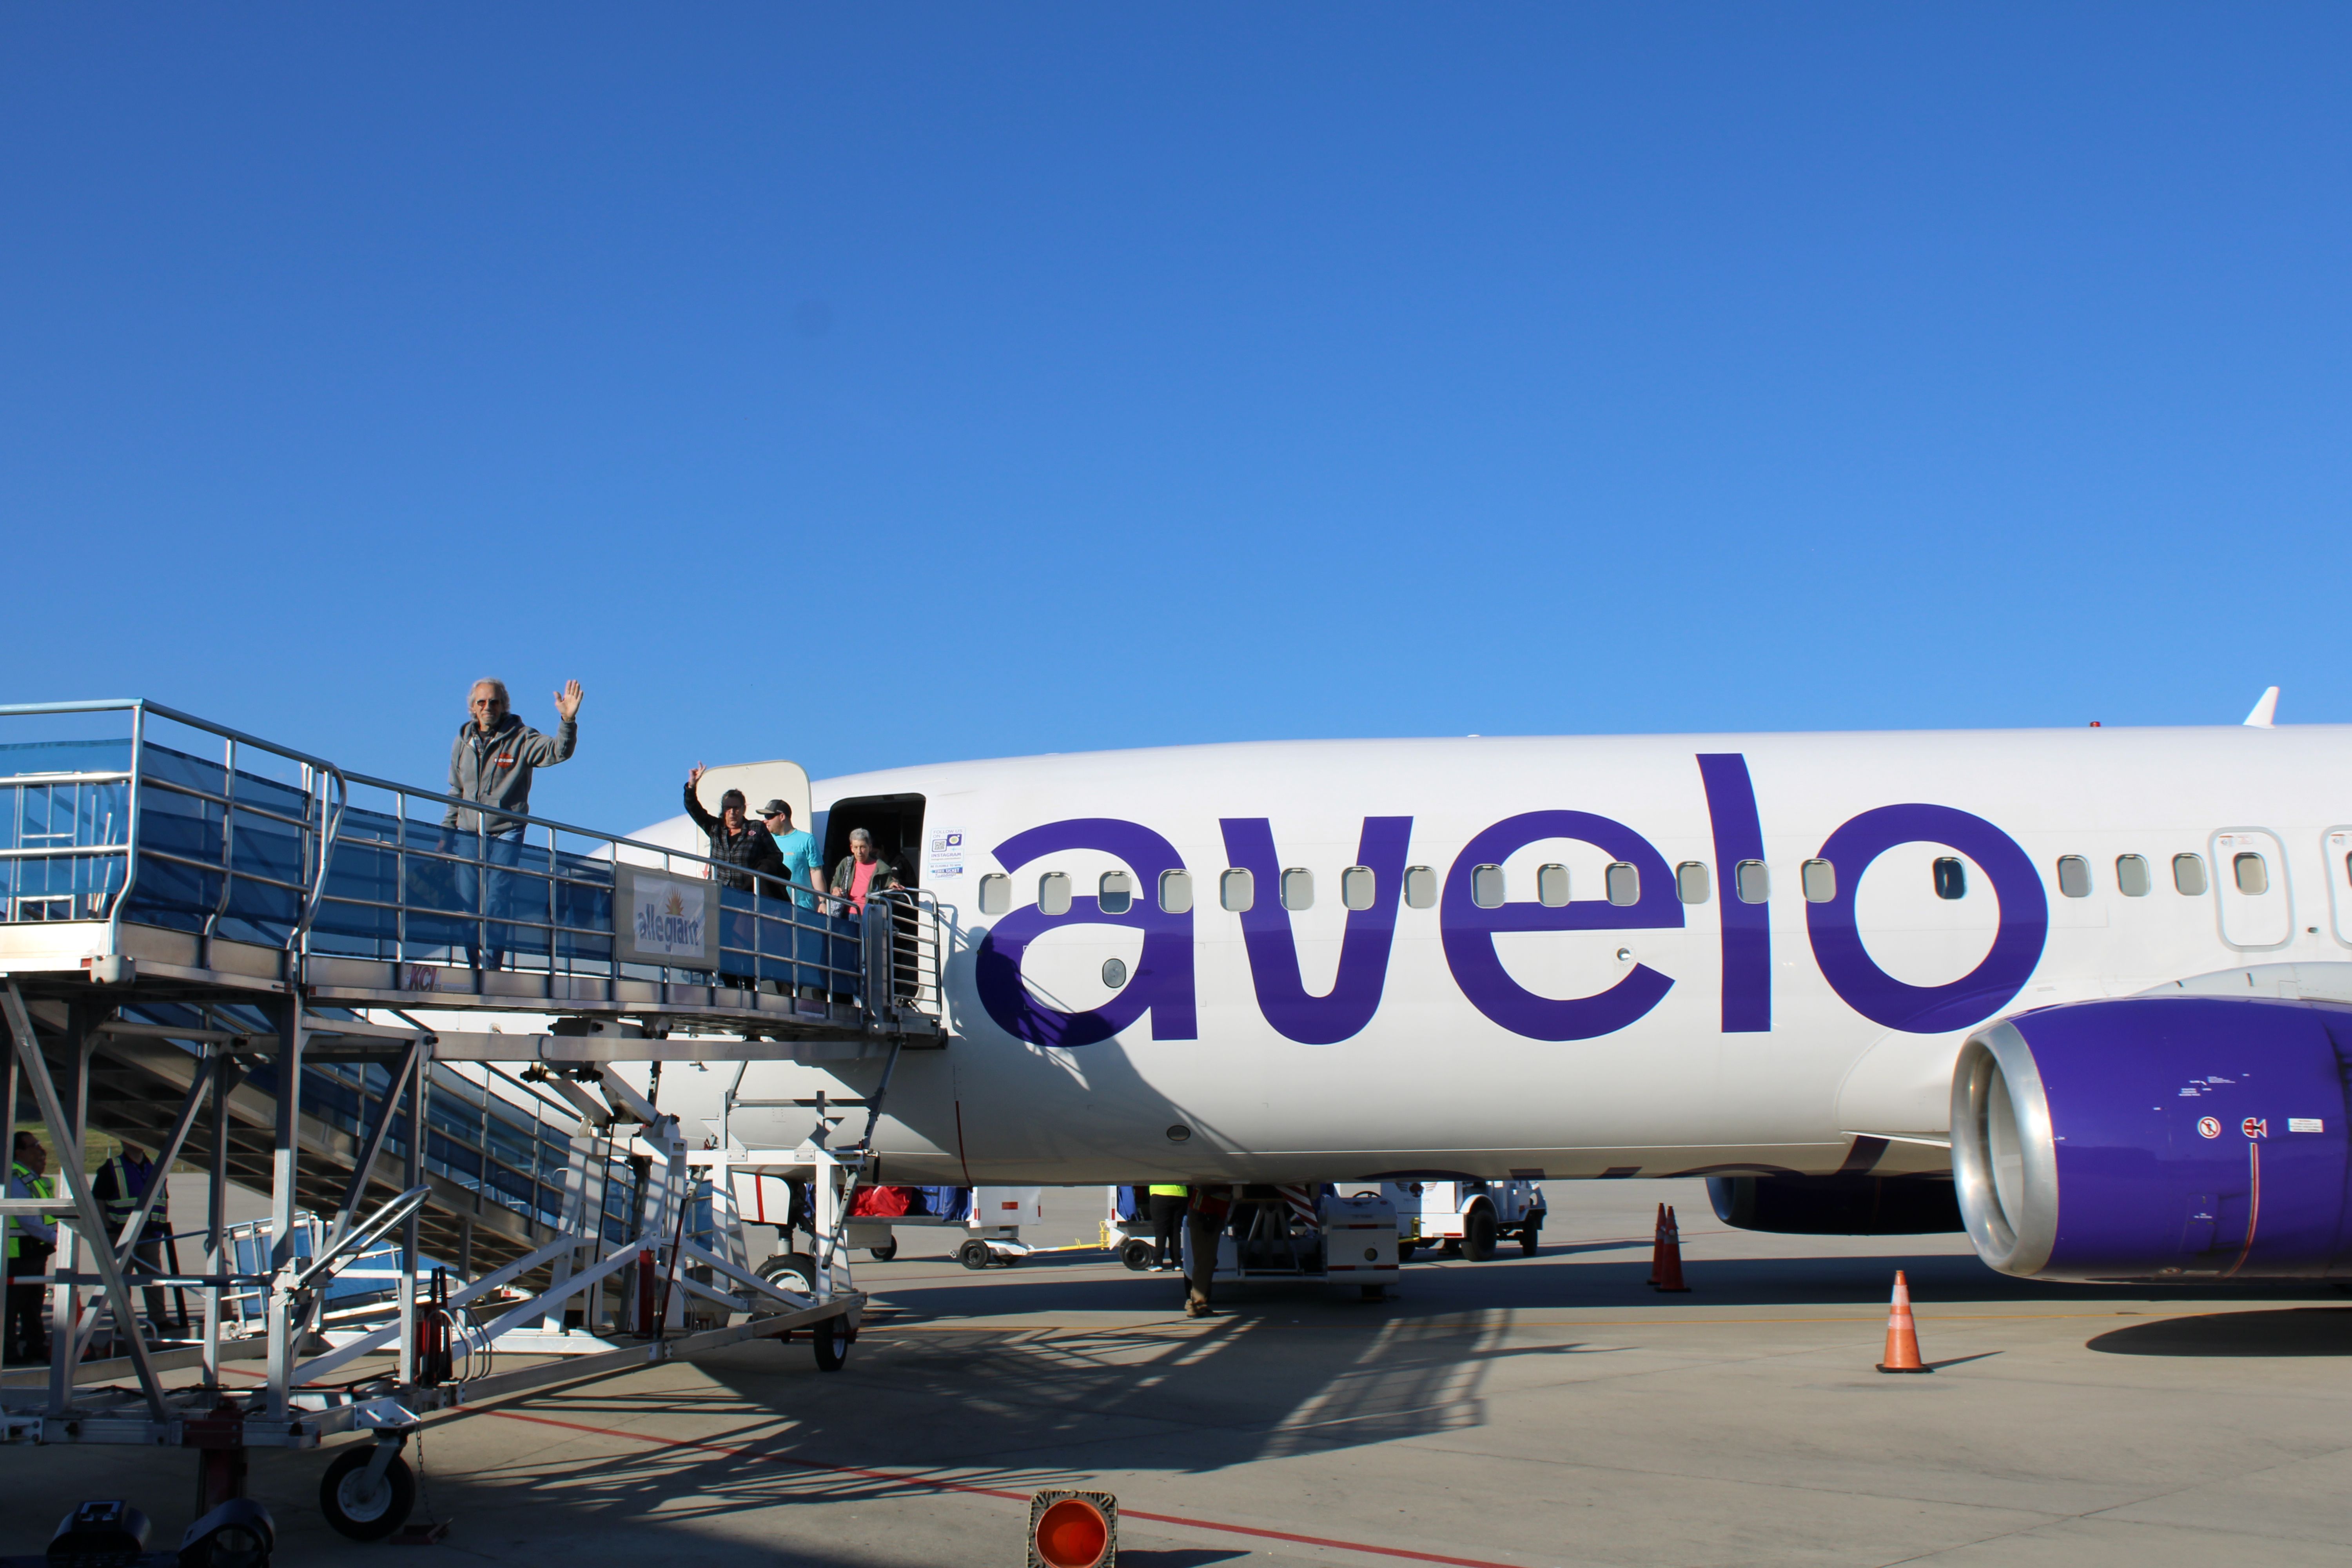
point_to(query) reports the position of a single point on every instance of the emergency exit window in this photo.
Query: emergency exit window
(1622, 881)
(1951, 878)
(2253, 878)
(2074, 876)
(1752, 881)
(1298, 888)
(1551, 886)
(1176, 892)
(1691, 882)
(1359, 887)
(1237, 890)
(1054, 893)
(995, 893)
(1420, 886)
(2132, 879)
(1820, 879)
(2189, 874)
(1115, 893)
(1487, 887)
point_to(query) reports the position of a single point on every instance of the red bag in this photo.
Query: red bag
(881, 1202)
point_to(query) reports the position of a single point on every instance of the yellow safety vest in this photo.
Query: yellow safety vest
(38, 1187)
(125, 1203)
(1167, 1192)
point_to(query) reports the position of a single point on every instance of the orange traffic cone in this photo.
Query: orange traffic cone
(1670, 1256)
(1658, 1243)
(1902, 1334)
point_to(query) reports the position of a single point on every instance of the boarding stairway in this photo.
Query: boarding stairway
(188, 896)
(192, 919)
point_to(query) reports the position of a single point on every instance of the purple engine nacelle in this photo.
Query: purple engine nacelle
(2182, 1139)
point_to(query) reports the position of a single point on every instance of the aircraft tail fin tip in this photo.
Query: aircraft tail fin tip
(2265, 713)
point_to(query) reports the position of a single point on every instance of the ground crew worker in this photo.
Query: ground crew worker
(31, 1239)
(1167, 1210)
(121, 1187)
(1204, 1221)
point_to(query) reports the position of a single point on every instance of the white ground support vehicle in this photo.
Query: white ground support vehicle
(1467, 1216)
(1284, 1234)
(990, 1218)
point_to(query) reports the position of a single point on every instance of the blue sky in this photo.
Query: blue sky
(880, 384)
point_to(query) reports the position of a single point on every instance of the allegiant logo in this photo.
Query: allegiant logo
(1162, 982)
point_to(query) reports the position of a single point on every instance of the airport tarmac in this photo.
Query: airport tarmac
(1521, 1412)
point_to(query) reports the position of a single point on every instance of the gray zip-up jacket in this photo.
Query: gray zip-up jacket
(495, 768)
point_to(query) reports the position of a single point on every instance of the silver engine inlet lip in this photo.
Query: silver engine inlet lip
(2004, 1159)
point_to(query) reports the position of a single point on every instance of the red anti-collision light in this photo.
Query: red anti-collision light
(1070, 1532)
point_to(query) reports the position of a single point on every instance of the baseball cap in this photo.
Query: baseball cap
(776, 808)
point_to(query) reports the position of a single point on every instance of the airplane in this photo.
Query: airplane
(2084, 993)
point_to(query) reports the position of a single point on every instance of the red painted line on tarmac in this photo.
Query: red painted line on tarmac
(902, 1477)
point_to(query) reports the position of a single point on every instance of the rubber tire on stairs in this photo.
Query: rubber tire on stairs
(1137, 1254)
(829, 1338)
(353, 1519)
(974, 1255)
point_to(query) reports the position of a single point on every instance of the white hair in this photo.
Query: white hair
(496, 685)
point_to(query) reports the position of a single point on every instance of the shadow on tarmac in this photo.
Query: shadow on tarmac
(2298, 1332)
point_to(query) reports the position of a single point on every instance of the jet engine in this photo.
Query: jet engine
(2181, 1139)
(1836, 1205)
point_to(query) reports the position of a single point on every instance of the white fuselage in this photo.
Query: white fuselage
(1595, 1039)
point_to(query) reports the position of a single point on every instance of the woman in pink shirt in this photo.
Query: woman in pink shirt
(862, 871)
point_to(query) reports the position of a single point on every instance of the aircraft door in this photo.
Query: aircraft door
(895, 823)
(2336, 856)
(2250, 879)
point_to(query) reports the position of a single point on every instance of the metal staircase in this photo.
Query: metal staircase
(217, 948)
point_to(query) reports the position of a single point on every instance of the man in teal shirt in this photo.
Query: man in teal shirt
(803, 864)
(801, 860)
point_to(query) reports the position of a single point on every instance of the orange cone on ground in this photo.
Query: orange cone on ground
(1658, 1243)
(1902, 1333)
(1670, 1256)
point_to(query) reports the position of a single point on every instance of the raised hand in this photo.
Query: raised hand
(567, 701)
(693, 774)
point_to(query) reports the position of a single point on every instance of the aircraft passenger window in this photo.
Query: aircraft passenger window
(1751, 881)
(1420, 886)
(1054, 893)
(1298, 888)
(1357, 886)
(1237, 890)
(1115, 893)
(1622, 881)
(1820, 879)
(1175, 892)
(1487, 887)
(2252, 875)
(2189, 874)
(1691, 884)
(1551, 886)
(995, 893)
(1951, 878)
(2074, 876)
(2132, 879)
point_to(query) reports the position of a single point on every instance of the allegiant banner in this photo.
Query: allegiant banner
(1162, 982)
(664, 918)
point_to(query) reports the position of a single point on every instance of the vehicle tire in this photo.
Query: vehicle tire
(829, 1338)
(1478, 1233)
(357, 1515)
(1531, 1234)
(974, 1255)
(1137, 1254)
(884, 1254)
(799, 1264)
